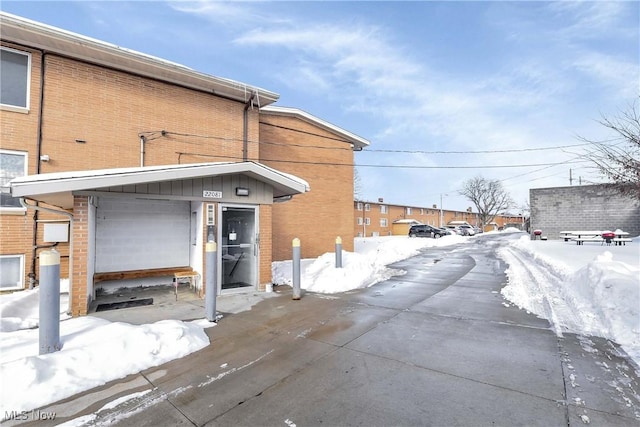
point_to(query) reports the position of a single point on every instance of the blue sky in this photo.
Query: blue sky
(444, 91)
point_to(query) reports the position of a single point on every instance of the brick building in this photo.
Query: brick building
(142, 161)
(384, 219)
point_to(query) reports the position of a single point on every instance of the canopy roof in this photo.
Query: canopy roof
(57, 188)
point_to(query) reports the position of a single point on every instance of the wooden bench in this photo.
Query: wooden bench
(177, 273)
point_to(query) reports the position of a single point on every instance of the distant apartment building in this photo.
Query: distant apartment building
(384, 219)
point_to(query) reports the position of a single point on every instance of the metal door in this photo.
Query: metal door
(239, 248)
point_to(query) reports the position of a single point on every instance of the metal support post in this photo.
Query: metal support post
(49, 328)
(338, 252)
(211, 288)
(296, 268)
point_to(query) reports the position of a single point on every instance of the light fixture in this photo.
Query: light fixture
(44, 158)
(242, 191)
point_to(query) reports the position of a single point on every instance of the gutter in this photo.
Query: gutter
(34, 237)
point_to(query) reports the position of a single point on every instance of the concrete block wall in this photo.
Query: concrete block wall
(585, 207)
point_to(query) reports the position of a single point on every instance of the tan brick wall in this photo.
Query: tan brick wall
(79, 293)
(19, 132)
(108, 110)
(266, 257)
(324, 213)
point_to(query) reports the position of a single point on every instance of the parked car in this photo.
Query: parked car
(467, 230)
(424, 230)
(454, 229)
(445, 231)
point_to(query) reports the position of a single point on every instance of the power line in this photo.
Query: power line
(378, 166)
(153, 135)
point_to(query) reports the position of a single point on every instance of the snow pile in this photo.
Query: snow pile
(20, 310)
(360, 269)
(93, 351)
(585, 290)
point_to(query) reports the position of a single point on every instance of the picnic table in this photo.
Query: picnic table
(617, 237)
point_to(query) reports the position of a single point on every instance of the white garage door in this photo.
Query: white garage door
(136, 234)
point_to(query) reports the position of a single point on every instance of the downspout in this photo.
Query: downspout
(245, 128)
(37, 208)
(142, 141)
(34, 237)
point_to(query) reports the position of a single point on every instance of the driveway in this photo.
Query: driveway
(437, 345)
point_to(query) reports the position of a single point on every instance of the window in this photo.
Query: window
(12, 165)
(408, 211)
(383, 209)
(383, 222)
(367, 207)
(14, 79)
(359, 221)
(367, 221)
(359, 206)
(11, 272)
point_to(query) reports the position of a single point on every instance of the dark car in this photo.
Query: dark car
(425, 231)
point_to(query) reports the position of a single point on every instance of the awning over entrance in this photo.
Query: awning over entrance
(57, 189)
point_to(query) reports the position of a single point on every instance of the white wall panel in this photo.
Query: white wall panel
(135, 234)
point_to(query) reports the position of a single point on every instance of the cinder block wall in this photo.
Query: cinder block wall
(586, 207)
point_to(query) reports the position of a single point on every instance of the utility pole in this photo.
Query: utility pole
(440, 210)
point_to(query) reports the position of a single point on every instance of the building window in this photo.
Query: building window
(11, 272)
(421, 211)
(383, 209)
(383, 222)
(359, 206)
(13, 164)
(367, 207)
(359, 221)
(367, 221)
(14, 79)
(408, 211)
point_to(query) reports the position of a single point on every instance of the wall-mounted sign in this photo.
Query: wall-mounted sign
(212, 194)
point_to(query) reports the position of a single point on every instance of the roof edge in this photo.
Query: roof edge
(358, 142)
(34, 34)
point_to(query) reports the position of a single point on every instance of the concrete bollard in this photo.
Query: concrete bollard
(296, 268)
(338, 252)
(211, 288)
(49, 328)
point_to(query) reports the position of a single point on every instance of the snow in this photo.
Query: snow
(587, 289)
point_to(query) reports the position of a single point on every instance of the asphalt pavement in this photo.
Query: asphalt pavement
(436, 346)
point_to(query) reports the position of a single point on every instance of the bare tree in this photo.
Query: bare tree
(488, 196)
(618, 159)
(357, 185)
